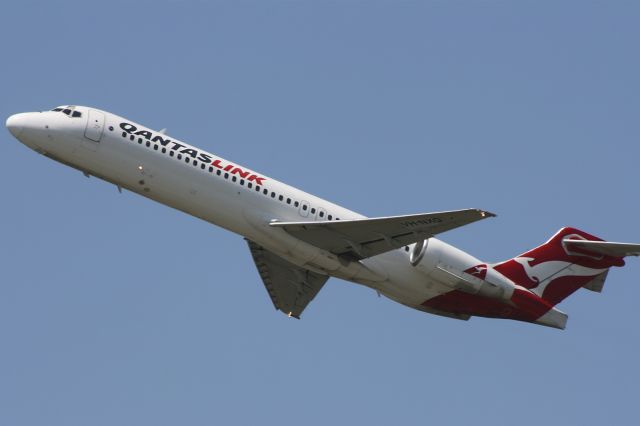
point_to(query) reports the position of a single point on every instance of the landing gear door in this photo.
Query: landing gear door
(95, 125)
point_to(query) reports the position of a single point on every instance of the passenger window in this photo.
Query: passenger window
(202, 166)
(304, 207)
(226, 175)
(273, 195)
(288, 200)
(233, 179)
(329, 217)
(250, 185)
(164, 150)
(210, 169)
(179, 156)
(155, 147)
(242, 182)
(281, 198)
(321, 214)
(313, 210)
(265, 192)
(148, 144)
(296, 204)
(171, 154)
(218, 172)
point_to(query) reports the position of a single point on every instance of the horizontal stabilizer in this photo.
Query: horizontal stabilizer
(362, 238)
(605, 247)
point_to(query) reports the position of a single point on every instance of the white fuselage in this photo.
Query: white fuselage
(223, 193)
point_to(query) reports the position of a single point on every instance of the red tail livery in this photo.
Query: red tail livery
(539, 279)
(555, 270)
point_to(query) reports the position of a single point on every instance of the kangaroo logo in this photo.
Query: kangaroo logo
(546, 272)
(479, 271)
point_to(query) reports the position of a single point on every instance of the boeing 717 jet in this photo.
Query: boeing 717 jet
(298, 241)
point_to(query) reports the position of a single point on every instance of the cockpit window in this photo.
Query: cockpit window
(68, 110)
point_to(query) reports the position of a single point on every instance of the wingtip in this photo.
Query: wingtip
(484, 214)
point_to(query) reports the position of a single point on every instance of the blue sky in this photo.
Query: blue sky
(117, 310)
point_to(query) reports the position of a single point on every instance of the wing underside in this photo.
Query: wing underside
(290, 287)
(362, 238)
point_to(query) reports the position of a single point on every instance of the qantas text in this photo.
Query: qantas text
(194, 153)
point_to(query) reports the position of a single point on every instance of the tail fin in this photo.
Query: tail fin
(558, 268)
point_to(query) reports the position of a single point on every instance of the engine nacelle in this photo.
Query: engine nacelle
(468, 283)
(445, 264)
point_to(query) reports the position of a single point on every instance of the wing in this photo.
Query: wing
(362, 238)
(605, 247)
(290, 287)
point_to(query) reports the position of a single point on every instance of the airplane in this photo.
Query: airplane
(298, 241)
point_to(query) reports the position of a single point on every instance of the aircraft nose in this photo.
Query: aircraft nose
(16, 123)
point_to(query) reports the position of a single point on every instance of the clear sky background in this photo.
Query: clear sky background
(115, 310)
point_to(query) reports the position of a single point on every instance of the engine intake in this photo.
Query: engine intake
(417, 253)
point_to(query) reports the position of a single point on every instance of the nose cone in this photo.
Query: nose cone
(16, 124)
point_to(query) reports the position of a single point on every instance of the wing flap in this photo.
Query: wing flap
(362, 238)
(290, 287)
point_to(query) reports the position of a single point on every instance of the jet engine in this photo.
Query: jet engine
(460, 280)
(448, 267)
